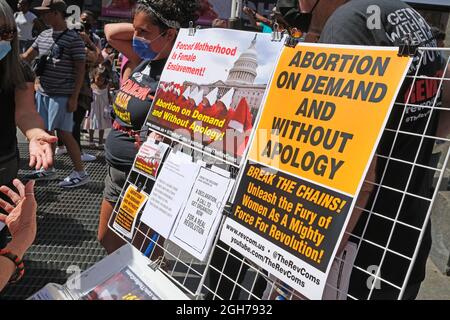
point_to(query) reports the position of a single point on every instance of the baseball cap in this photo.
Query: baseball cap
(57, 5)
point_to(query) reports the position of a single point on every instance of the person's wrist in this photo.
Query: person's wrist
(17, 262)
(17, 248)
(35, 133)
(11, 266)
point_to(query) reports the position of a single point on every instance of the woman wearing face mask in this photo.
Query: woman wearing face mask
(147, 43)
(17, 109)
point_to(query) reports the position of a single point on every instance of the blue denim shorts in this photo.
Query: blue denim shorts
(53, 110)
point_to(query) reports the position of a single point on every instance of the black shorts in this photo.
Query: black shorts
(114, 182)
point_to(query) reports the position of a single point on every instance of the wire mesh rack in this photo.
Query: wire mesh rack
(391, 236)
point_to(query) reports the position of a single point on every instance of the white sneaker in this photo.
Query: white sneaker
(88, 157)
(75, 180)
(60, 151)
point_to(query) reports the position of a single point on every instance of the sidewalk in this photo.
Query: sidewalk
(436, 285)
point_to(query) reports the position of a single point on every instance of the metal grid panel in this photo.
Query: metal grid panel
(177, 264)
(228, 275)
(390, 252)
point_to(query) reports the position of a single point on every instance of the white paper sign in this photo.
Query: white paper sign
(170, 192)
(149, 158)
(196, 228)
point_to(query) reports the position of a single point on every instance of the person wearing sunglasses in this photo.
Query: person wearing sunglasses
(17, 109)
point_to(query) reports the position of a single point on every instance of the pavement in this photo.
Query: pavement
(436, 285)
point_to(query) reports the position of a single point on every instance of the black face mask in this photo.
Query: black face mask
(300, 20)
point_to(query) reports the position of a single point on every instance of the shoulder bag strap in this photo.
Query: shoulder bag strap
(56, 41)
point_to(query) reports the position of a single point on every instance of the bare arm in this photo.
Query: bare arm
(93, 57)
(263, 19)
(120, 37)
(27, 118)
(361, 202)
(128, 70)
(93, 54)
(251, 14)
(37, 24)
(32, 126)
(99, 55)
(29, 55)
(80, 69)
(8, 268)
(257, 20)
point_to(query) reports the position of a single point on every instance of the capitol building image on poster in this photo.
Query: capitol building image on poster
(241, 78)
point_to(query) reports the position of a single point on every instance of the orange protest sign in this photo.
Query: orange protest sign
(325, 111)
(129, 209)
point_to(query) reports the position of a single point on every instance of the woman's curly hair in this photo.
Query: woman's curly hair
(182, 11)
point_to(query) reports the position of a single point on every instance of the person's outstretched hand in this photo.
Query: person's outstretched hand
(21, 219)
(41, 152)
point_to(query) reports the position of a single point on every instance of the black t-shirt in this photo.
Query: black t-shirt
(8, 141)
(349, 25)
(131, 107)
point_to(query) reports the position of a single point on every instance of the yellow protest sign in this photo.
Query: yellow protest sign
(322, 121)
(325, 110)
(129, 209)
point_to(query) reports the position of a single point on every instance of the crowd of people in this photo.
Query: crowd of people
(70, 84)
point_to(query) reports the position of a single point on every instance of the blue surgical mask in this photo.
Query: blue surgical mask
(143, 48)
(5, 48)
